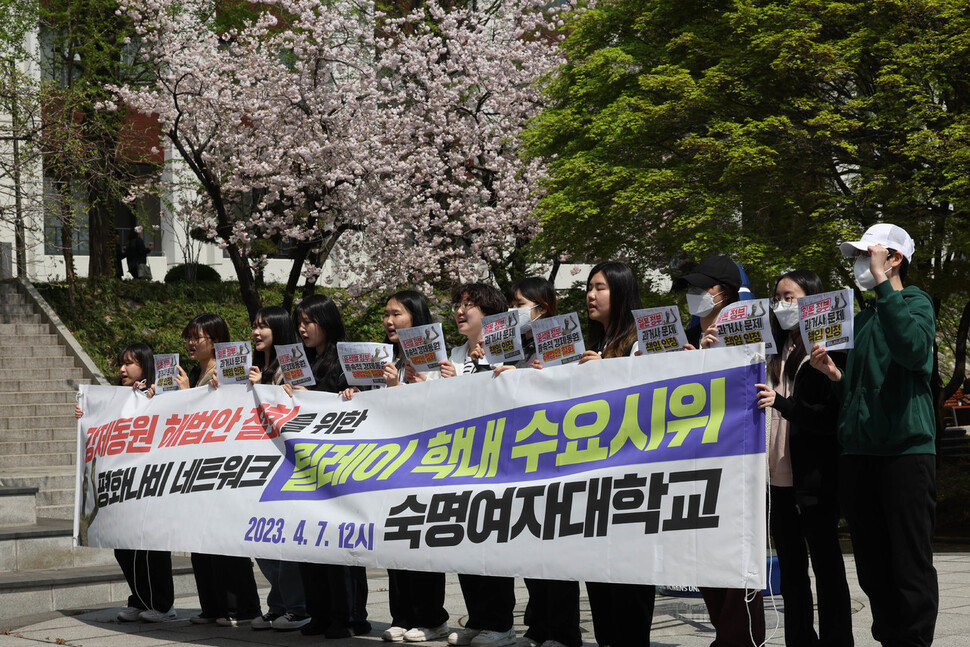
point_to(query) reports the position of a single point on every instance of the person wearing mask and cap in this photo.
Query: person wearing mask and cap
(738, 615)
(887, 429)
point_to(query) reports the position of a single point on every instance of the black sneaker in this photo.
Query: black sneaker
(264, 621)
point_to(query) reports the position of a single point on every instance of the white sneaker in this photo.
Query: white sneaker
(424, 634)
(151, 615)
(494, 638)
(462, 636)
(290, 622)
(525, 642)
(130, 614)
(264, 621)
(393, 635)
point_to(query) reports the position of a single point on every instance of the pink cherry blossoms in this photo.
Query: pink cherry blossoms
(388, 145)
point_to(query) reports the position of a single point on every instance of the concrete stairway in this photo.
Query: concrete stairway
(41, 366)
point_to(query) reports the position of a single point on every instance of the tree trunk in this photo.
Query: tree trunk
(101, 232)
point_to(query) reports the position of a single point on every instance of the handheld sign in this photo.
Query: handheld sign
(559, 340)
(295, 365)
(827, 319)
(502, 336)
(659, 329)
(234, 359)
(166, 369)
(424, 346)
(363, 363)
(745, 322)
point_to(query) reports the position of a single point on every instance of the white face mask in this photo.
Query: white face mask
(787, 314)
(863, 274)
(700, 302)
(525, 318)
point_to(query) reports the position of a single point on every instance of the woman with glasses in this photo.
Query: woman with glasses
(490, 600)
(803, 456)
(227, 588)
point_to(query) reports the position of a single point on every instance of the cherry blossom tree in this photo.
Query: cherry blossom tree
(386, 144)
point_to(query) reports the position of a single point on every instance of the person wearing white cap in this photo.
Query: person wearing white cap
(887, 430)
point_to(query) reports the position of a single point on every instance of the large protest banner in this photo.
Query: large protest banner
(642, 469)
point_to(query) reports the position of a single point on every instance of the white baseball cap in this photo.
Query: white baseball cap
(889, 236)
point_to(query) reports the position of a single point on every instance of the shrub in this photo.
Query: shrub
(192, 273)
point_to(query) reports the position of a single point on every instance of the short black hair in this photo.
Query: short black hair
(486, 297)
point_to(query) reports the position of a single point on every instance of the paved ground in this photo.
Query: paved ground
(677, 621)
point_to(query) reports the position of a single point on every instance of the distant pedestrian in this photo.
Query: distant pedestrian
(137, 253)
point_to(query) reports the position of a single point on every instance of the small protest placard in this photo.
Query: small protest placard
(502, 336)
(234, 359)
(295, 365)
(659, 329)
(559, 340)
(166, 370)
(363, 363)
(424, 346)
(745, 322)
(827, 319)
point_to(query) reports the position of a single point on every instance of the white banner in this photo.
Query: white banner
(642, 469)
(363, 362)
(659, 330)
(745, 323)
(827, 319)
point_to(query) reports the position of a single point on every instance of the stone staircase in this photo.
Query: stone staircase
(41, 366)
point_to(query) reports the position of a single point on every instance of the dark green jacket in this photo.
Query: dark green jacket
(887, 405)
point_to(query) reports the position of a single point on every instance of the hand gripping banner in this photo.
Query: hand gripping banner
(642, 469)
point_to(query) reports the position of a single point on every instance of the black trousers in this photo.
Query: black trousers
(890, 503)
(226, 586)
(327, 593)
(798, 532)
(622, 613)
(738, 616)
(552, 612)
(149, 576)
(416, 598)
(490, 601)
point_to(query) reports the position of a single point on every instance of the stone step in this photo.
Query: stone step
(64, 406)
(59, 511)
(20, 318)
(52, 399)
(31, 386)
(36, 460)
(42, 591)
(10, 448)
(26, 352)
(54, 484)
(8, 330)
(39, 428)
(48, 543)
(11, 308)
(40, 371)
(44, 337)
(63, 362)
(18, 506)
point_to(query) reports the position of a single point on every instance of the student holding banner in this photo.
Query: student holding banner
(622, 613)
(887, 428)
(803, 459)
(490, 600)
(226, 586)
(552, 613)
(336, 595)
(286, 600)
(148, 572)
(416, 598)
(738, 615)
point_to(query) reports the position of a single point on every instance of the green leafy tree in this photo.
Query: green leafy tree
(765, 130)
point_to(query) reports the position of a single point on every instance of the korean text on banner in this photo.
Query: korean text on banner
(502, 336)
(363, 363)
(424, 346)
(166, 370)
(234, 358)
(745, 322)
(827, 319)
(295, 364)
(638, 469)
(559, 340)
(659, 329)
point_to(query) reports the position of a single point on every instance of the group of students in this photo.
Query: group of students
(862, 419)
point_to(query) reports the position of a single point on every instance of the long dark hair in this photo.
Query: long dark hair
(417, 306)
(537, 290)
(808, 281)
(617, 339)
(143, 356)
(280, 324)
(323, 311)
